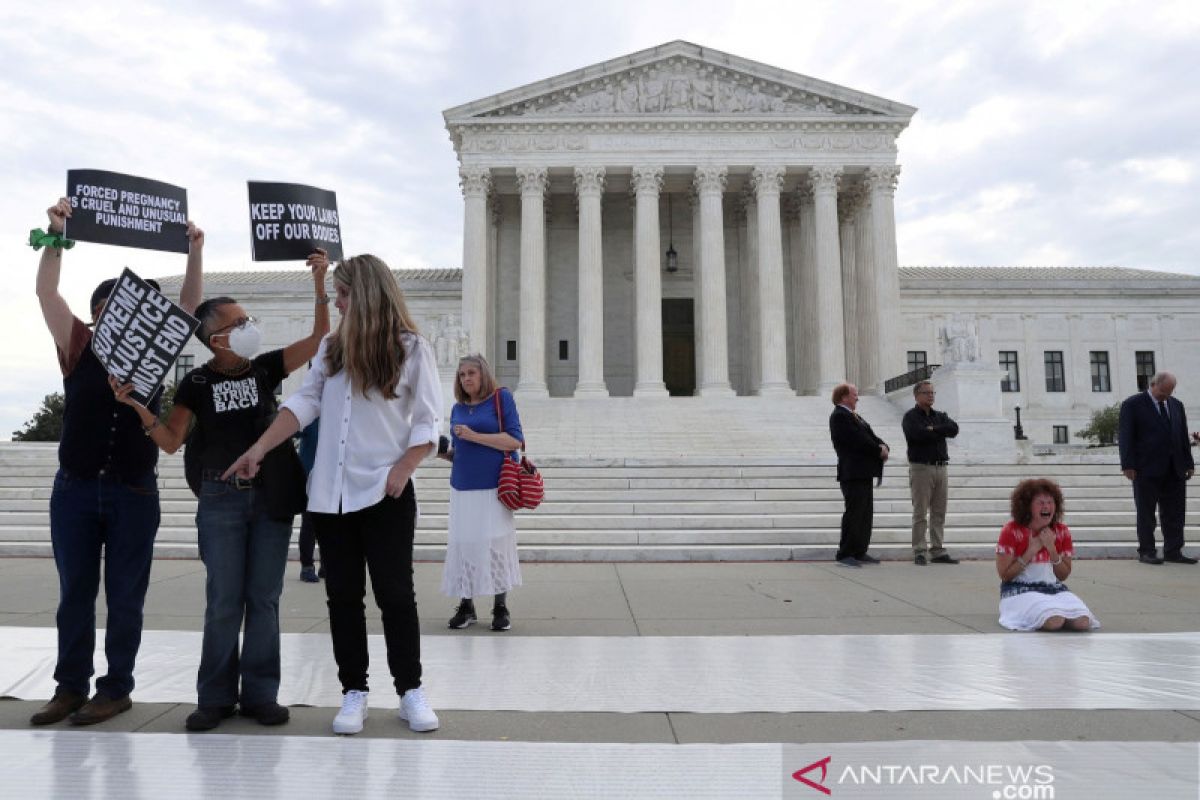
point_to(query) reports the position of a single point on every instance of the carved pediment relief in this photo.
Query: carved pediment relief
(683, 86)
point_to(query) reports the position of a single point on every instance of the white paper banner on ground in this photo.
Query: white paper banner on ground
(92, 764)
(701, 674)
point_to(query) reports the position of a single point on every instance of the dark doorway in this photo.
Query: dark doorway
(679, 347)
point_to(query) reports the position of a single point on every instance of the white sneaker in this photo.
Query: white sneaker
(415, 709)
(354, 710)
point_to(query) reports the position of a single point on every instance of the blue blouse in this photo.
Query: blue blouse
(477, 466)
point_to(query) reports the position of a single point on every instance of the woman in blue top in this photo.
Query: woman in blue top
(481, 551)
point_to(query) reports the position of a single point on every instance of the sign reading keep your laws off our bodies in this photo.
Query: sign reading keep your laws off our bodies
(140, 334)
(289, 221)
(127, 211)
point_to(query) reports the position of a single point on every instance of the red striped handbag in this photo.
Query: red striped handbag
(520, 482)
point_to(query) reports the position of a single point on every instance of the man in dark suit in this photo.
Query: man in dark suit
(860, 460)
(1157, 457)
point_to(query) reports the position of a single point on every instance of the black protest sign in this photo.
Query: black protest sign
(289, 221)
(140, 334)
(111, 208)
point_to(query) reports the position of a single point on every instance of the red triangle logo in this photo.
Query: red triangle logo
(823, 764)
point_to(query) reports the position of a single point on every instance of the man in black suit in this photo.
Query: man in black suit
(1156, 456)
(860, 460)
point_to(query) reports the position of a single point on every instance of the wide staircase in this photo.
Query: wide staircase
(693, 508)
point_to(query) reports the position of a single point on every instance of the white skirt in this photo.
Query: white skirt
(481, 549)
(1030, 610)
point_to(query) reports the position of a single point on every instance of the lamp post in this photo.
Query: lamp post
(672, 255)
(1018, 431)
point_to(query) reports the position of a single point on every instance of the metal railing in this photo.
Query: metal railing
(909, 378)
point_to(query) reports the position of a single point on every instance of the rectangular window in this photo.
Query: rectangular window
(1056, 377)
(1060, 434)
(510, 350)
(1100, 377)
(1145, 369)
(1008, 361)
(564, 352)
(916, 360)
(183, 366)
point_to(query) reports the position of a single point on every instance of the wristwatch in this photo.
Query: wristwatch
(322, 300)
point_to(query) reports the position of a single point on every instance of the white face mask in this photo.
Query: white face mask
(245, 341)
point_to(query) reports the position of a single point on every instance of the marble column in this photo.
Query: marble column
(882, 183)
(647, 183)
(531, 344)
(475, 183)
(810, 322)
(589, 185)
(697, 306)
(831, 354)
(767, 182)
(713, 377)
(751, 373)
(866, 306)
(849, 312)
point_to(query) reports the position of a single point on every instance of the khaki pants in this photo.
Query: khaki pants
(929, 485)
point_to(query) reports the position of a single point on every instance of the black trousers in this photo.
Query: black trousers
(1168, 495)
(856, 519)
(308, 539)
(378, 538)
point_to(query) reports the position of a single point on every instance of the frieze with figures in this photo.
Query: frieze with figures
(483, 142)
(681, 86)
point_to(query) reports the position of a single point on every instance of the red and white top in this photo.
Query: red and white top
(1014, 540)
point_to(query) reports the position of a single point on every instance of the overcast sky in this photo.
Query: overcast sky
(1048, 133)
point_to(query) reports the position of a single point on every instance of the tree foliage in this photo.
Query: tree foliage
(46, 424)
(1102, 428)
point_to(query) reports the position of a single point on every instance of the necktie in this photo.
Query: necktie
(1162, 409)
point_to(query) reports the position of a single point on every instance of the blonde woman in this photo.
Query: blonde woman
(374, 383)
(481, 551)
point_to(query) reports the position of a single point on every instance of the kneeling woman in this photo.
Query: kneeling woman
(1033, 558)
(243, 548)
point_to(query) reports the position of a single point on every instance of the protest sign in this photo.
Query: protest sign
(289, 221)
(111, 208)
(140, 334)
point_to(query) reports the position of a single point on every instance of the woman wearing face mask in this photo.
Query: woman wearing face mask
(1033, 558)
(244, 550)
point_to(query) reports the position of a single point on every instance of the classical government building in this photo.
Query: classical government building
(683, 223)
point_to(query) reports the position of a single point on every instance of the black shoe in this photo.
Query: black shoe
(920, 560)
(1179, 558)
(1149, 559)
(500, 618)
(464, 616)
(205, 718)
(868, 560)
(267, 713)
(944, 558)
(309, 574)
(849, 561)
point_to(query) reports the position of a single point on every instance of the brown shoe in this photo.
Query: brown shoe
(100, 708)
(59, 707)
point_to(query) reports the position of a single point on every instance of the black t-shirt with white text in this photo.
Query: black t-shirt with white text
(228, 410)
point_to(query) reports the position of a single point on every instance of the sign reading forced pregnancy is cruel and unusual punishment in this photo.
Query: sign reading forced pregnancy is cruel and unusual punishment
(289, 221)
(111, 208)
(140, 334)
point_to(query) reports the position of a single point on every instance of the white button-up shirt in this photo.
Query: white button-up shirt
(362, 437)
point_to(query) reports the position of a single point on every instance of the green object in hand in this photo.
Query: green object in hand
(39, 238)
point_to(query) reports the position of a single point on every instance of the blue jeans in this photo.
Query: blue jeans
(245, 553)
(88, 515)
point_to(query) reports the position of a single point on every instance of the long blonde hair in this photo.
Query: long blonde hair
(487, 379)
(367, 342)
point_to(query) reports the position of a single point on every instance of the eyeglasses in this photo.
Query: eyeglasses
(239, 324)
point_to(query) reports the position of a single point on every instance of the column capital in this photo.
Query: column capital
(589, 180)
(475, 181)
(710, 179)
(767, 178)
(883, 179)
(532, 180)
(647, 180)
(824, 178)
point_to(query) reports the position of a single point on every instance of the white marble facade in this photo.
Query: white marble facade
(575, 187)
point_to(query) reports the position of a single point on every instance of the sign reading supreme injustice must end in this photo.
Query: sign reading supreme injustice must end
(140, 334)
(289, 221)
(127, 211)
